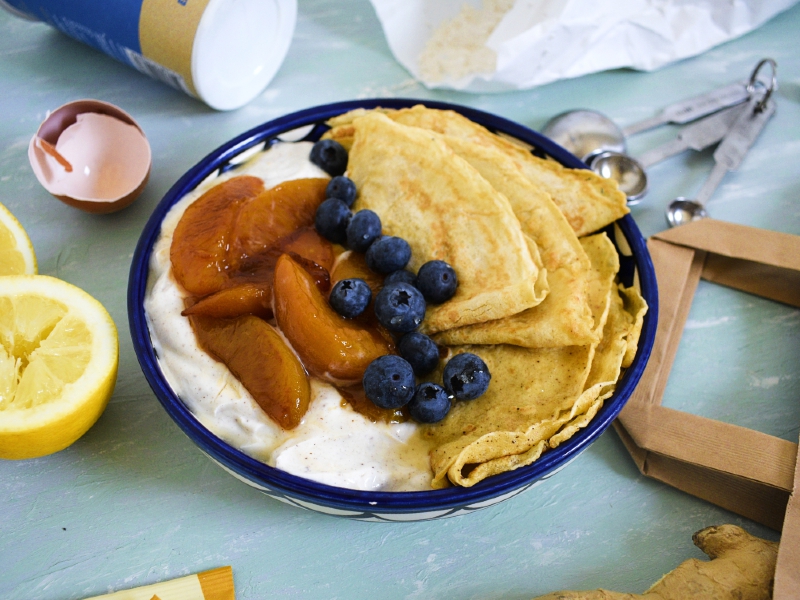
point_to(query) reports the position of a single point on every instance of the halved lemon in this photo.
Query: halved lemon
(16, 250)
(59, 354)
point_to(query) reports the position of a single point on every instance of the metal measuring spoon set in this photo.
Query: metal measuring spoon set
(732, 115)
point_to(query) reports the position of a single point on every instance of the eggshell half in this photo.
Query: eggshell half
(102, 158)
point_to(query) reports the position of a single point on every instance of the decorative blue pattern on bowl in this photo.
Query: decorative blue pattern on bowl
(378, 506)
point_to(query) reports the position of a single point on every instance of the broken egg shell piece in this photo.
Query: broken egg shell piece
(106, 149)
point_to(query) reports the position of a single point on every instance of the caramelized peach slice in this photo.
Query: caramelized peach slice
(199, 250)
(276, 213)
(261, 268)
(248, 291)
(259, 358)
(354, 265)
(311, 250)
(306, 242)
(242, 299)
(331, 347)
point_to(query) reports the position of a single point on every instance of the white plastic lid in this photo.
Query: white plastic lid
(238, 48)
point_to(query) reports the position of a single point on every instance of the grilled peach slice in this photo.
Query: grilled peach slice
(331, 347)
(257, 355)
(199, 250)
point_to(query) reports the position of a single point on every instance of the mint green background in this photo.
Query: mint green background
(134, 502)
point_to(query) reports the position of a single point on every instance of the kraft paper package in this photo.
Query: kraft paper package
(747, 472)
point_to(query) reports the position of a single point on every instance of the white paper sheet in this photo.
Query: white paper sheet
(540, 41)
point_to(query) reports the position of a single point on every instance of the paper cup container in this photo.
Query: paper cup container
(224, 52)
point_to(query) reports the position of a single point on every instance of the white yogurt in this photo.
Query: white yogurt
(333, 444)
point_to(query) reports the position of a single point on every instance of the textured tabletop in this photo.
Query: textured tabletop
(135, 502)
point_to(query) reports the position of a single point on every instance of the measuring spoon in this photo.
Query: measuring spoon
(584, 132)
(727, 157)
(630, 173)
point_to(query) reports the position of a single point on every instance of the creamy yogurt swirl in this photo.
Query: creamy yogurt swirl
(333, 444)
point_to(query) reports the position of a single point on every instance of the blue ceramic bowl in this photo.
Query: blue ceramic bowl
(378, 506)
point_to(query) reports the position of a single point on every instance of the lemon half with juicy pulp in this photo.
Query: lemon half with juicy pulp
(59, 354)
(16, 251)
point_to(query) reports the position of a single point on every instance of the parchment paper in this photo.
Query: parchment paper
(540, 41)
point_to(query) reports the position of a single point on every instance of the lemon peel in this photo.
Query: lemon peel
(59, 354)
(16, 251)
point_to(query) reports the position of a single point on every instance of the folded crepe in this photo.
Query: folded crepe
(634, 305)
(436, 201)
(564, 317)
(553, 364)
(538, 397)
(589, 202)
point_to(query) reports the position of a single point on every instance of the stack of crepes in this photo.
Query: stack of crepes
(538, 298)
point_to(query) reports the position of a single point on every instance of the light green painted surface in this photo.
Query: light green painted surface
(134, 502)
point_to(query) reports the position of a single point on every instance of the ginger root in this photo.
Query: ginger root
(742, 567)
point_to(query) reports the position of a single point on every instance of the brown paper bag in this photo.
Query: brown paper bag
(747, 472)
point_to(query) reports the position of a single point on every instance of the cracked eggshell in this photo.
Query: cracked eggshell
(91, 155)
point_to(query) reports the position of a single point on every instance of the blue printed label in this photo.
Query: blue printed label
(111, 28)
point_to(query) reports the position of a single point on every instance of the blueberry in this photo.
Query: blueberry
(331, 220)
(389, 381)
(330, 156)
(466, 376)
(343, 188)
(437, 281)
(420, 351)
(350, 297)
(430, 403)
(388, 253)
(401, 276)
(363, 229)
(399, 307)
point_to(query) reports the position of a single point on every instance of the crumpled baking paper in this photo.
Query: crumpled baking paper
(540, 41)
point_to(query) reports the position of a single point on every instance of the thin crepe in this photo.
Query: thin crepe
(539, 397)
(427, 195)
(589, 202)
(614, 353)
(564, 317)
